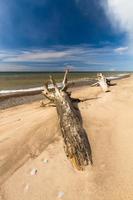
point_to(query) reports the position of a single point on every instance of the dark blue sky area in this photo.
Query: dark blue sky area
(42, 23)
(42, 35)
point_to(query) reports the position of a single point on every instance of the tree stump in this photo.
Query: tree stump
(76, 144)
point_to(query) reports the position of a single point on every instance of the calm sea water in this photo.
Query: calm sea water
(20, 80)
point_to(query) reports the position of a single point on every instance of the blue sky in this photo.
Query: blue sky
(52, 35)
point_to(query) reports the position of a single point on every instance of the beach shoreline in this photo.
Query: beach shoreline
(8, 99)
(30, 134)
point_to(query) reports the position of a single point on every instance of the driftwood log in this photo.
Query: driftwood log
(103, 82)
(76, 144)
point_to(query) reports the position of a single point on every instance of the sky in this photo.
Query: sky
(51, 35)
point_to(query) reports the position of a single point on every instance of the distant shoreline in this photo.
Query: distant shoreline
(24, 80)
(9, 100)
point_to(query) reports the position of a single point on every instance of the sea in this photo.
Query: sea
(24, 80)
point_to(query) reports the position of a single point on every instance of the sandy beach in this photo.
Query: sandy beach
(30, 141)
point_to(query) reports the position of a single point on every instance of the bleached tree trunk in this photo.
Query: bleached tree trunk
(76, 144)
(102, 81)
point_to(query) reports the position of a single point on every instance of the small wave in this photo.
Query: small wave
(19, 92)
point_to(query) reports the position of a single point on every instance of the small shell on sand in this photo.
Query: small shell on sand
(45, 161)
(33, 172)
(60, 194)
(26, 188)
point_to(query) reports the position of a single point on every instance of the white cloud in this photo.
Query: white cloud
(75, 57)
(47, 55)
(35, 56)
(5, 67)
(120, 13)
(121, 50)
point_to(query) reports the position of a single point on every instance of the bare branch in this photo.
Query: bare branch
(64, 82)
(47, 94)
(54, 84)
(47, 104)
(65, 77)
(95, 84)
(46, 85)
(46, 88)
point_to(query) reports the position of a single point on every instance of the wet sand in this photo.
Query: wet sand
(30, 138)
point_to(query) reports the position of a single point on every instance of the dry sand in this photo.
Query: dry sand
(30, 139)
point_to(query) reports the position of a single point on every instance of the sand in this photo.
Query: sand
(30, 140)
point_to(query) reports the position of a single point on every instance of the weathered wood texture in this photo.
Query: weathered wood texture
(76, 144)
(103, 82)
